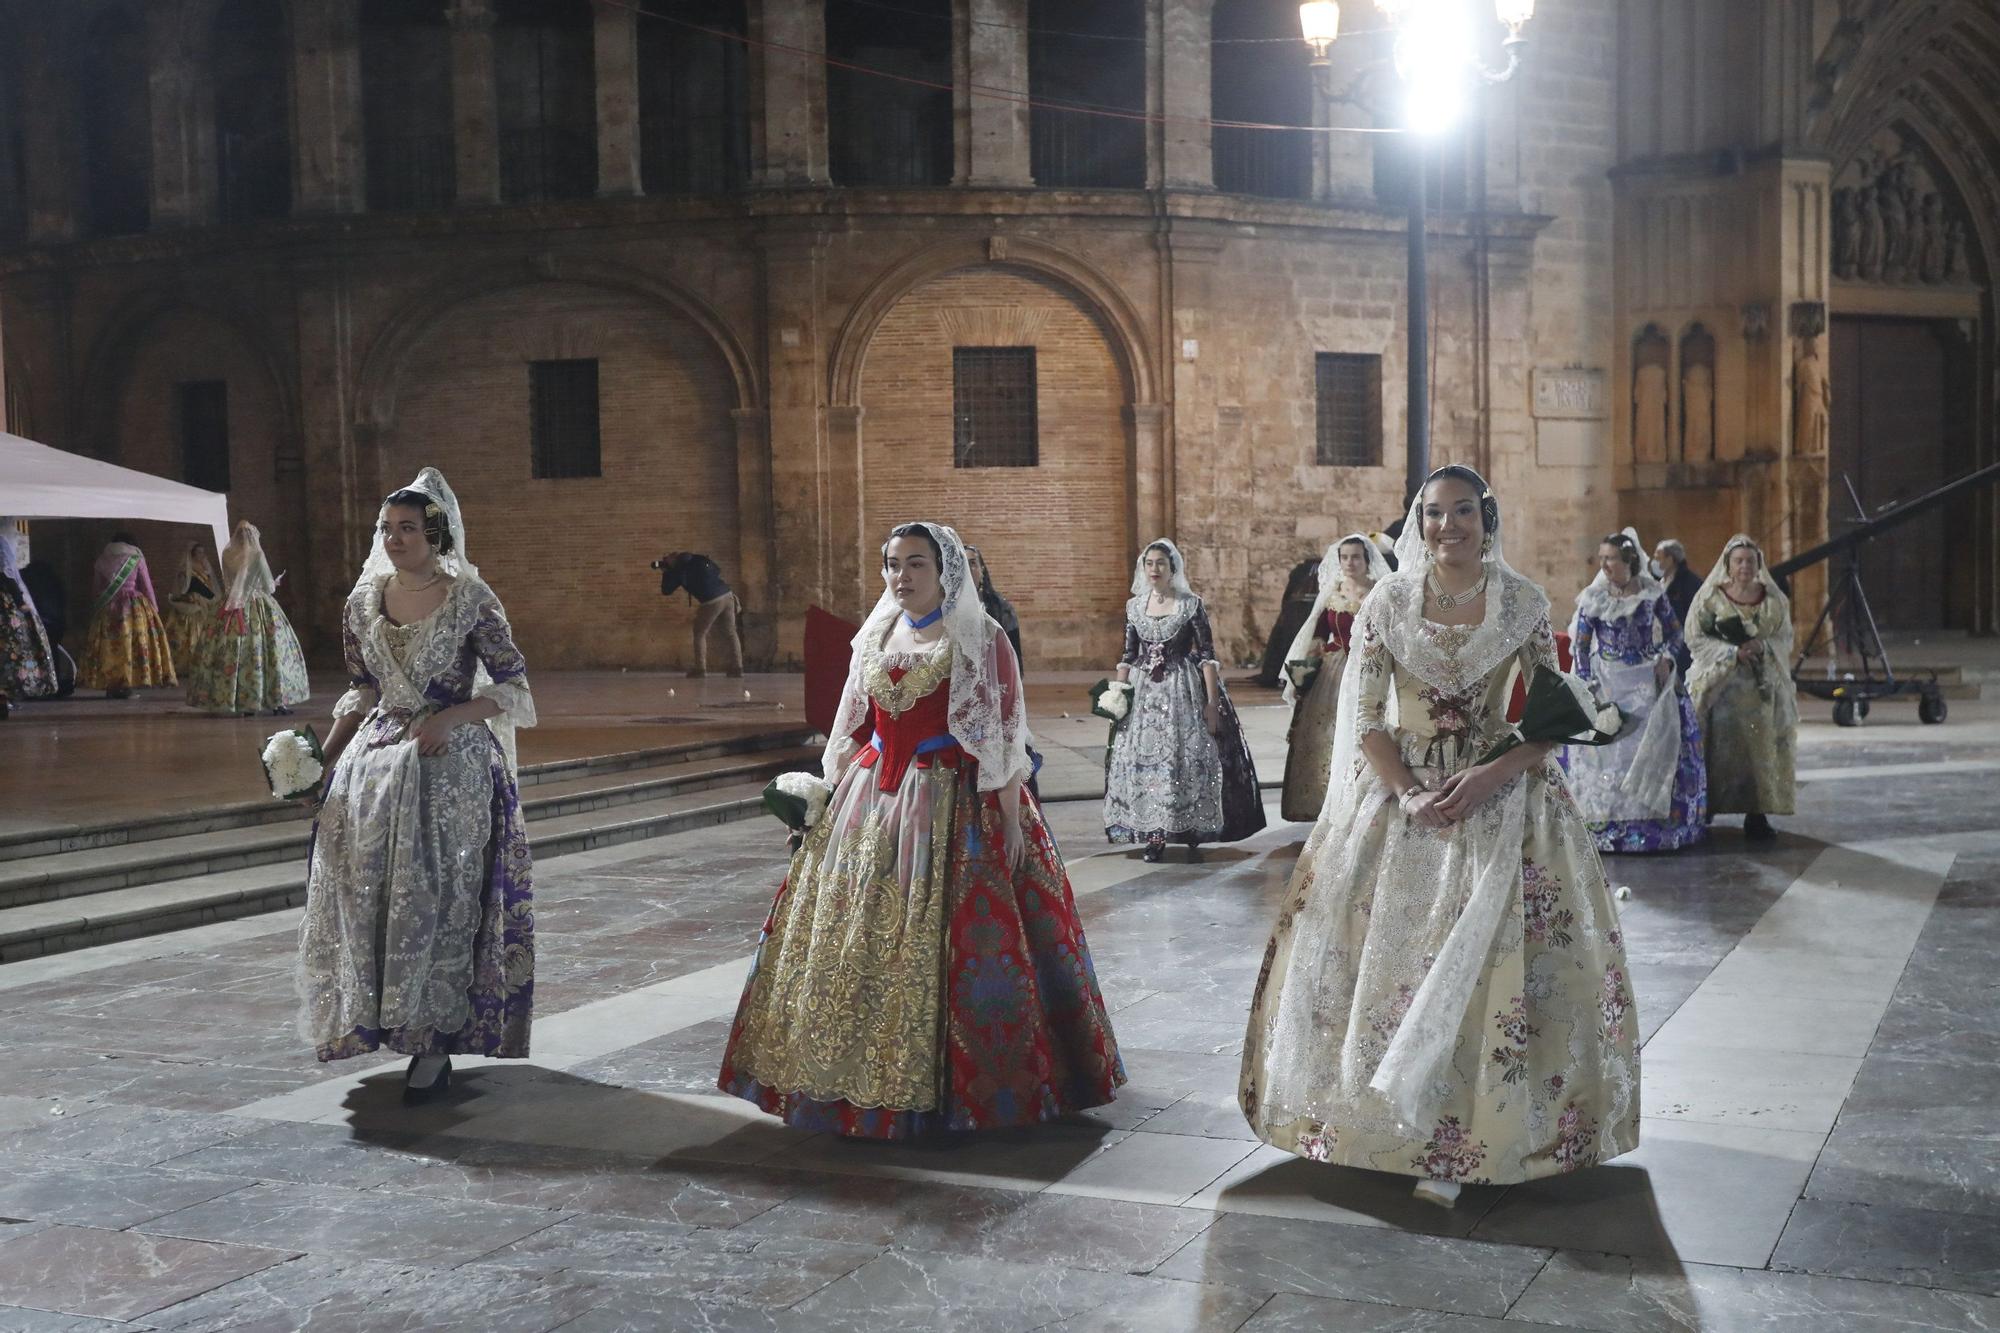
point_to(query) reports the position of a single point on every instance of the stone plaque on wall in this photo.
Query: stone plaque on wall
(1571, 393)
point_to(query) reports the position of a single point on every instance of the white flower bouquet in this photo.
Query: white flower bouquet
(294, 763)
(1302, 672)
(1111, 699)
(797, 799)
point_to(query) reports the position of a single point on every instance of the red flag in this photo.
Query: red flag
(829, 645)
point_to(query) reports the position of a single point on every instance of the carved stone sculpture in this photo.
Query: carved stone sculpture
(1812, 400)
(1698, 412)
(1895, 233)
(1846, 233)
(1868, 263)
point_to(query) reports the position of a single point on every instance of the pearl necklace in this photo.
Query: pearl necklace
(1446, 601)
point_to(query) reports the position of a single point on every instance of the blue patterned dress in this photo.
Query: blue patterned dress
(1615, 641)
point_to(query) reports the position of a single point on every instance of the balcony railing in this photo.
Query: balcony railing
(412, 171)
(1276, 164)
(545, 162)
(1081, 150)
(693, 155)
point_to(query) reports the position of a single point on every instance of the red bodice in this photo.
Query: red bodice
(1336, 630)
(896, 739)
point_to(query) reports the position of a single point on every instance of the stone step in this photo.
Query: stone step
(250, 814)
(104, 869)
(62, 925)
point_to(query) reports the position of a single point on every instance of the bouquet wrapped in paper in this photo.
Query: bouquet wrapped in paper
(1111, 699)
(1730, 629)
(1302, 672)
(1560, 709)
(294, 763)
(797, 799)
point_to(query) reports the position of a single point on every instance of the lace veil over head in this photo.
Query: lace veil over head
(1715, 657)
(1140, 583)
(1330, 582)
(988, 714)
(1605, 602)
(244, 568)
(455, 563)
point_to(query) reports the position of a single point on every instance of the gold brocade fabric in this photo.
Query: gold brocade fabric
(847, 1000)
(926, 672)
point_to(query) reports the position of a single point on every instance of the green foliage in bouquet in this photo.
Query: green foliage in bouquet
(1730, 628)
(1302, 671)
(1554, 713)
(1111, 699)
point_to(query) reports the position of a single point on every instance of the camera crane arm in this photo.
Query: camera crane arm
(1881, 523)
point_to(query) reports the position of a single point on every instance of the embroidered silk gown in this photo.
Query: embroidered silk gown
(1165, 775)
(1542, 1072)
(126, 646)
(1749, 710)
(248, 659)
(905, 981)
(419, 929)
(1311, 741)
(27, 663)
(1647, 791)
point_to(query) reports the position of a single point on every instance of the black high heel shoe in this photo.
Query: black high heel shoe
(1154, 851)
(437, 1088)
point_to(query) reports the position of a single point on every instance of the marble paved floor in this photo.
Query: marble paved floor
(1822, 1023)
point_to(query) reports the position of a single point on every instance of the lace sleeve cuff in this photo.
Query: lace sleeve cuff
(834, 761)
(359, 699)
(517, 705)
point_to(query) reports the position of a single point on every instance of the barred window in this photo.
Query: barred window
(201, 410)
(562, 406)
(993, 407)
(1349, 391)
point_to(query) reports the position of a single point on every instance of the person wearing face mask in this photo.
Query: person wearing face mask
(419, 928)
(1670, 567)
(1741, 637)
(1178, 768)
(1348, 573)
(1647, 791)
(1445, 994)
(923, 967)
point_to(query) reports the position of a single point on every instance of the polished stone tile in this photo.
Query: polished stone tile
(1291, 1313)
(1713, 1194)
(101, 1194)
(314, 1295)
(1764, 1089)
(118, 1274)
(1273, 1183)
(1017, 1159)
(1158, 1306)
(1882, 1243)
(133, 1135)
(308, 1155)
(1153, 1168)
(1892, 1158)
(1805, 974)
(15, 1319)
(641, 1307)
(1271, 1254)
(578, 1180)
(1204, 1118)
(1598, 1291)
(343, 1224)
(728, 1266)
(1717, 1021)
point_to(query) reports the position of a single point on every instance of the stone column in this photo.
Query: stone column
(992, 41)
(841, 520)
(54, 150)
(1146, 447)
(617, 99)
(182, 104)
(753, 528)
(788, 93)
(475, 109)
(1179, 152)
(327, 172)
(803, 551)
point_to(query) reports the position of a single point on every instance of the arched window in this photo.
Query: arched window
(117, 123)
(545, 71)
(1260, 80)
(1089, 55)
(253, 110)
(894, 130)
(406, 104)
(694, 122)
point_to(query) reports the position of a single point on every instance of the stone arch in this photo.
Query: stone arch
(376, 384)
(1085, 281)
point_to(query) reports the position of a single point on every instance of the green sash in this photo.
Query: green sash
(117, 585)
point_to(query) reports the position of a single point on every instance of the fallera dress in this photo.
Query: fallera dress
(248, 659)
(126, 647)
(1311, 743)
(1749, 711)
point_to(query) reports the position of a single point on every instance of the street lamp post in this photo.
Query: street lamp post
(1433, 57)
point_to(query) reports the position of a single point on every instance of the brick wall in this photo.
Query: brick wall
(1056, 533)
(569, 557)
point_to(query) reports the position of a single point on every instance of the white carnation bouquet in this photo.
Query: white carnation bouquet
(294, 763)
(797, 799)
(1111, 699)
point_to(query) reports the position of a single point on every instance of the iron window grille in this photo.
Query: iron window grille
(563, 414)
(993, 407)
(1349, 394)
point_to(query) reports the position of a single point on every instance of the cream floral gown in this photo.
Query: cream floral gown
(1528, 1034)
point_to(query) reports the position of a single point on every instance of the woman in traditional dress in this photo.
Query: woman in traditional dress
(248, 659)
(27, 663)
(995, 605)
(419, 929)
(126, 646)
(190, 609)
(1179, 768)
(1348, 572)
(1446, 994)
(1740, 630)
(923, 967)
(1647, 791)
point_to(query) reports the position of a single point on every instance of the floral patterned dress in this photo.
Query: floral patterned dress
(419, 928)
(248, 660)
(27, 663)
(905, 981)
(1310, 749)
(1646, 791)
(1165, 776)
(1537, 1070)
(126, 646)
(1749, 710)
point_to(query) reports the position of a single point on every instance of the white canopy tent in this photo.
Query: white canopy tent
(37, 481)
